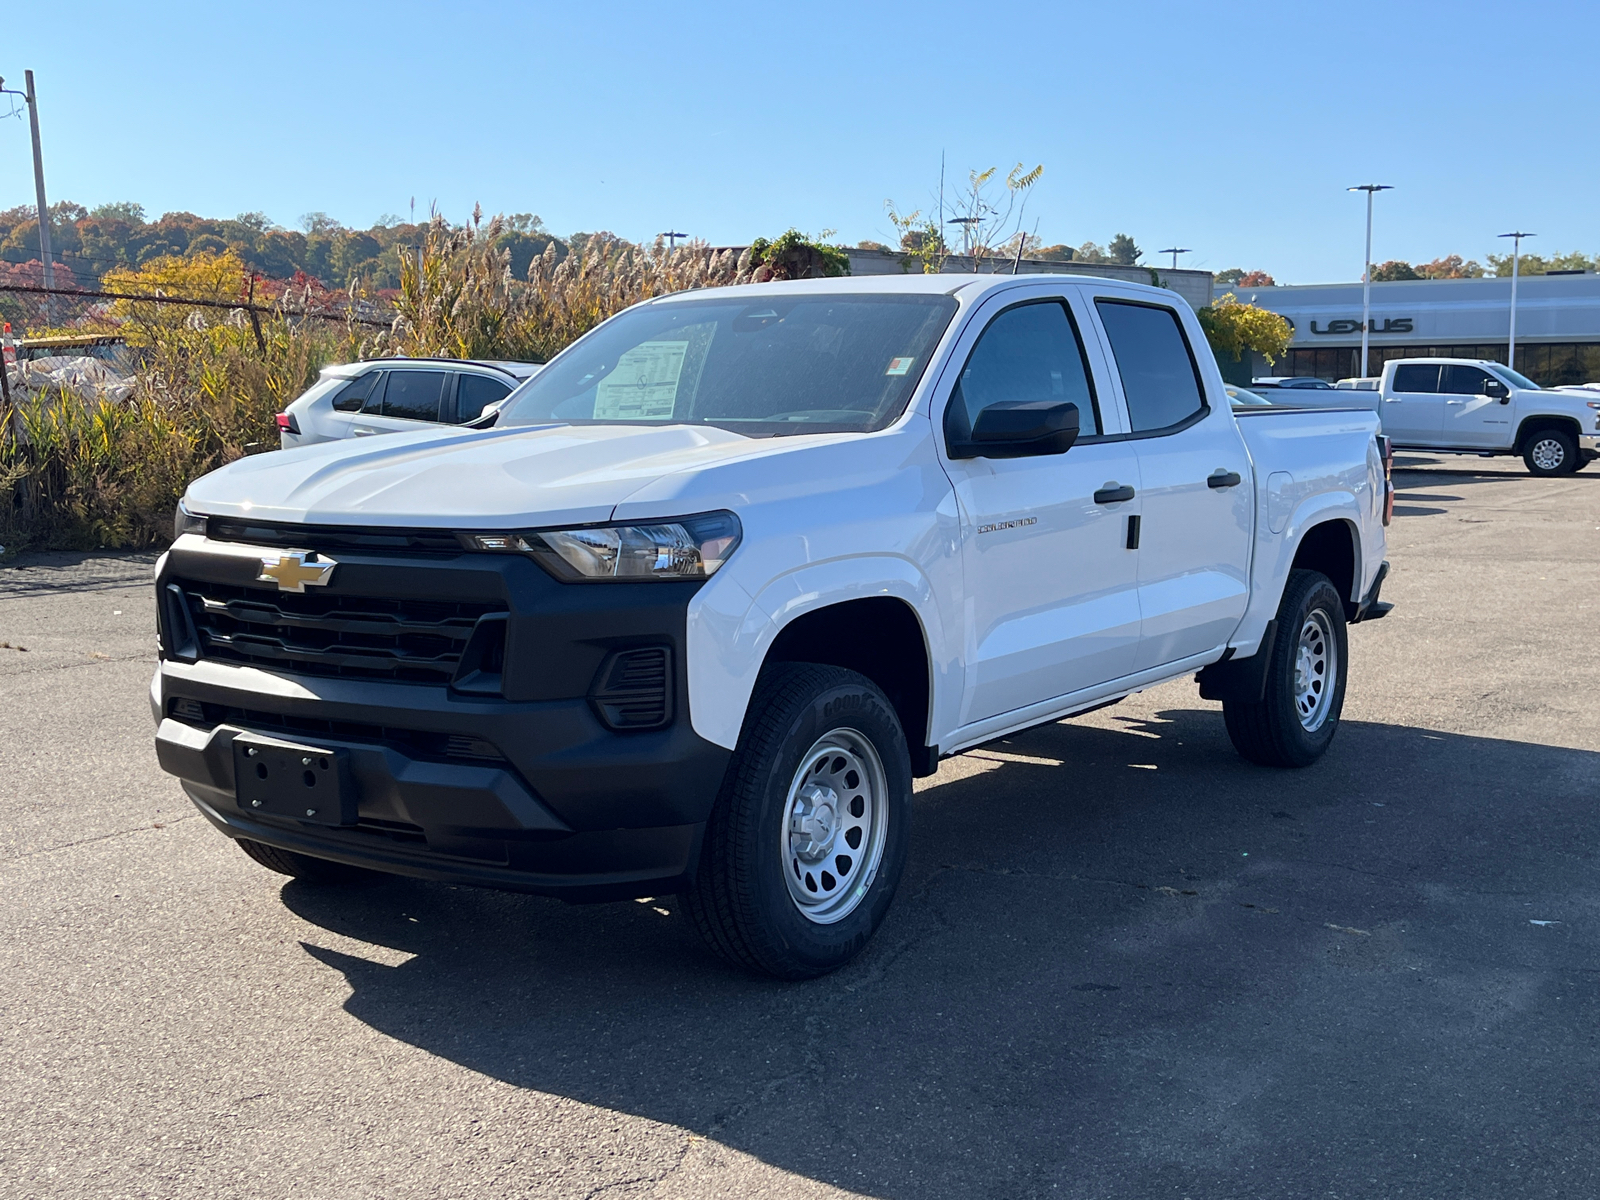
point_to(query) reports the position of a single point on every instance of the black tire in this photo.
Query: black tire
(1556, 449)
(741, 900)
(1272, 732)
(303, 866)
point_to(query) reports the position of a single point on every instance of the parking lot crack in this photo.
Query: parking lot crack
(99, 837)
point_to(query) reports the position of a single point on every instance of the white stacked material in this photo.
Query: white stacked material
(78, 373)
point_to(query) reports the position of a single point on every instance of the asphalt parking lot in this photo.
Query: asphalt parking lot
(1123, 963)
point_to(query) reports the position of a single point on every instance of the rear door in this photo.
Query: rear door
(1196, 485)
(1412, 411)
(1472, 418)
(1052, 595)
(473, 392)
(407, 400)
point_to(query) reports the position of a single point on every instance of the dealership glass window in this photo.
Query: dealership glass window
(1552, 364)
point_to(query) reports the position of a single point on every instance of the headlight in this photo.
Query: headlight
(184, 521)
(683, 548)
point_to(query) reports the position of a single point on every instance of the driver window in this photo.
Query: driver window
(1030, 352)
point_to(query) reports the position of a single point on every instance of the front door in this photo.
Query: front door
(1052, 603)
(1412, 411)
(1196, 487)
(1472, 418)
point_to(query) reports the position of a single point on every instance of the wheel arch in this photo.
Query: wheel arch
(1537, 424)
(1333, 547)
(881, 637)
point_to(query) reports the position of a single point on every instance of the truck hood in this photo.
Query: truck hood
(498, 478)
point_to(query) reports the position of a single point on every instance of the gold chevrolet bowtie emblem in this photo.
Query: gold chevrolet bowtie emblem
(291, 571)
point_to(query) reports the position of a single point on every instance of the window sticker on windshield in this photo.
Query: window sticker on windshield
(899, 366)
(644, 384)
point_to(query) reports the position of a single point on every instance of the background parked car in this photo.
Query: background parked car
(1367, 384)
(390, 395)
(1291, 381)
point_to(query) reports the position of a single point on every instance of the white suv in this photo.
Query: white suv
(390, 395)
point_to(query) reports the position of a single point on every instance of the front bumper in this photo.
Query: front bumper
(1589, 446)
(527, 790)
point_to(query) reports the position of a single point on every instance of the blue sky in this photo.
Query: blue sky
(1229, 128)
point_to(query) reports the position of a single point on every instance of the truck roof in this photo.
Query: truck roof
(971, 287)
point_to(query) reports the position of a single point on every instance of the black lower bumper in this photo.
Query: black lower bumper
(454, 822)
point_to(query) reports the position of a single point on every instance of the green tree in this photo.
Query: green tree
(1123, 250)
(1392, 270)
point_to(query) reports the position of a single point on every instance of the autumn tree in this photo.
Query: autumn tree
(1232, 328)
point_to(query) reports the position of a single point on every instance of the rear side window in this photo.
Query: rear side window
(414, 395)
(354, 394)
(1416, 377)
(1031, 352)
(1463, 381)
(473, 392)
(1159, 376)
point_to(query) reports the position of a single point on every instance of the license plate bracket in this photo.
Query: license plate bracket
(287, 779)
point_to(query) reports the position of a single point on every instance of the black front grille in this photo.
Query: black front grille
(633, 689)
(330, 537)
(326, 633)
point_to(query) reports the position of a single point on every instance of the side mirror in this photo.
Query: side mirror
(1495, 388)
(1020, 429)
(484, 420)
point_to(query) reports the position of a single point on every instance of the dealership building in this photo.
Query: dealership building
(1558, 325)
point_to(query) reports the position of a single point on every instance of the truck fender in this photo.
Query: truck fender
(730, 633)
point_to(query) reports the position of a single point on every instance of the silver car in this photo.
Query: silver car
(389, 395)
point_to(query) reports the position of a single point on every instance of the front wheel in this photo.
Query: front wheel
(1298, 715)
(1551, 452)
(808, 838)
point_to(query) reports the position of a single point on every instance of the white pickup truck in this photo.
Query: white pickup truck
(736, 567)
(1472, 406)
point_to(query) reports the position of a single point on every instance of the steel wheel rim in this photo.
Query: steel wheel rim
(1548, 453)
(839, 793)
(1315, 667)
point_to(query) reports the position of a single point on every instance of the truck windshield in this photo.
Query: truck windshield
(1514, 378)
(791, 364)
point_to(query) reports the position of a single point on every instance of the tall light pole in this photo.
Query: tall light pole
(1516, 258)
(1174, 251)
(1366, 274)
(672, 239)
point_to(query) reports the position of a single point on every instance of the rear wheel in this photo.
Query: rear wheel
(808, 838)
(1298, 715)
(1551, 452)
(303, 866)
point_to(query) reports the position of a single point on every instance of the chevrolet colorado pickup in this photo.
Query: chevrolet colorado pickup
(735, 568)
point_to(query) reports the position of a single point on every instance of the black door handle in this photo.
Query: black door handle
(1222, 479)
(1111, 495)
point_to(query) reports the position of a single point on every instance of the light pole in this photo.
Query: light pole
(1516, 258)
(1174, 251)
(1366, 274)
(672, 239)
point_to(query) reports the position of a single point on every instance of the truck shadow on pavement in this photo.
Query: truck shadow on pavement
(1122, 961)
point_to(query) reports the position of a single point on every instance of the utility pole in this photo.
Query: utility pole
(44, 208)
(1366, 274)
(1516, 257)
